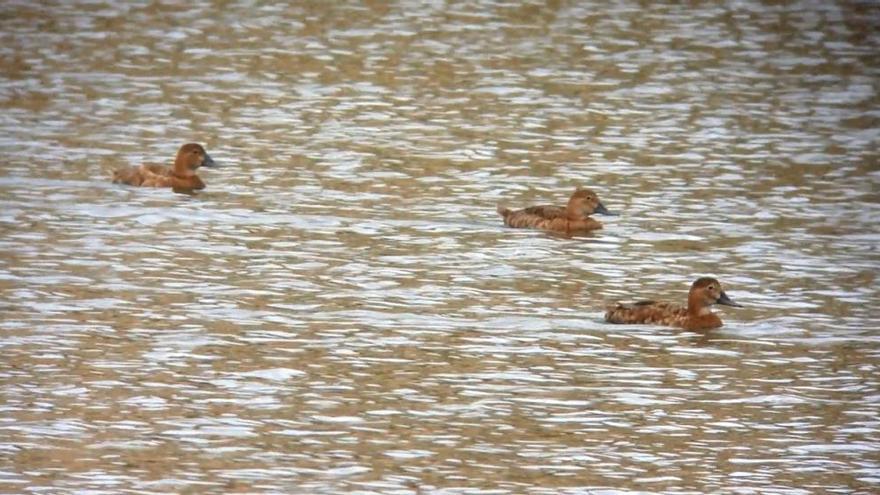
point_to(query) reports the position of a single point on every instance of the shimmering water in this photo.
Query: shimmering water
(342, 311)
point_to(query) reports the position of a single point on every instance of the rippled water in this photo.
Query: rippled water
(342, 311)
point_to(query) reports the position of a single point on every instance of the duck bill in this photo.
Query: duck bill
(600, 208)
(208, 161)
(723, 299)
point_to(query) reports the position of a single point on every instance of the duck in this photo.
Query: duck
(180, 176)
(574, 218)
(696, 317)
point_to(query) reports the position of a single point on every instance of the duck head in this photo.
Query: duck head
(706, 291)
(586, 202)
(191, 156)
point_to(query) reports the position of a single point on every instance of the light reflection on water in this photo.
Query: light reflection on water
(342, 311)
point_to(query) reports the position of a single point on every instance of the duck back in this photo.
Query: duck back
(532, 217)
(549, 218)
(647, 312)
(144, 175)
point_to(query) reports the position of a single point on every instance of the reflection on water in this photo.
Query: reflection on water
(341, 310)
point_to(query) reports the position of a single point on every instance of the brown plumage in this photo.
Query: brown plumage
(181, 176)
(574, 218)
(697, 316)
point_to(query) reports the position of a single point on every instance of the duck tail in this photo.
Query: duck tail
(503, 211)
(611, 313)
(128, 176)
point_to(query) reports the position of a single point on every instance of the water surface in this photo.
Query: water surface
(342, 311)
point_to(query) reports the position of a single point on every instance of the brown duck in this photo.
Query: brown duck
(697, 316)
(574, 218)
(181, 176)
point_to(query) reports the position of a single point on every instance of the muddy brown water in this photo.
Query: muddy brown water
(341, 310)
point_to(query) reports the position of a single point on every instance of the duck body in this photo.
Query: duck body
(156, 176)
(574, 218)
(180, 176)
(697, 316)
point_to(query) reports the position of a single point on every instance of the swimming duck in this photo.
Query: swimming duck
(182, 176)
(572, 219)
(697, 316)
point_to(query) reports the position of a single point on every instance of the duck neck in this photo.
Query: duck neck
(697, 307)
(182, 170)
(572, 212)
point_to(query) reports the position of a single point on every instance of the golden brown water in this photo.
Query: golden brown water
(341, 311)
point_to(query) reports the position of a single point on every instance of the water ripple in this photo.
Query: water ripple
(341, 309)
